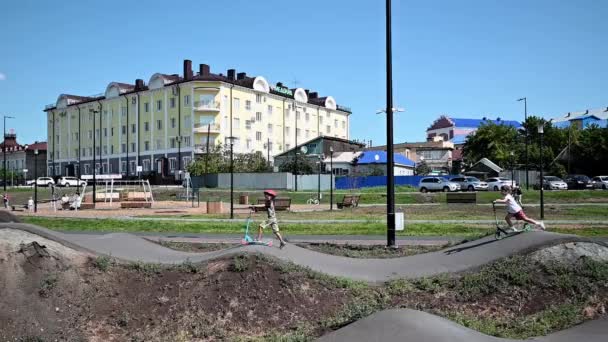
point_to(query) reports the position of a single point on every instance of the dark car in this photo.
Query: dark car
(578, 182)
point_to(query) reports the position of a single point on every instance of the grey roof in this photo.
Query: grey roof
(487, 162)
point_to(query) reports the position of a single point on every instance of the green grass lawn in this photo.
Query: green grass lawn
(423, 229)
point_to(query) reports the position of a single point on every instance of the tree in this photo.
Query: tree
(218, 161)
(422, 169)
(491, 141)
(304, 166)
(590, 152)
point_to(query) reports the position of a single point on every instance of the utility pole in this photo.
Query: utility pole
(527, 139)
(390, 183)
(4, 150)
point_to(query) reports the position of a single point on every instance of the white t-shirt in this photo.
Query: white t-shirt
(512, 206)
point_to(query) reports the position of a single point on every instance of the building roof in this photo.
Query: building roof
(459, 139)
(600, 113)
(487, 162)
(321, 137)
(475, 123)
(342, 157)
(380, 157)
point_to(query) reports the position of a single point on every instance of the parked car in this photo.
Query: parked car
(600, 182)
(470, 183)
(70, 181)
(553, 183)
(41, 181)
(496, 183)
(578, 182)
(437, 184)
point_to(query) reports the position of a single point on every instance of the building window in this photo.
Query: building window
(186, 161)
(97, 167)
(90, 151)
(247, 124)
(249, 144)
(286, 114)
(158, 144)
(258, 98)
(112, 131)
(146, 146)
(123, 166)
(132, 167)
(269, 110)
(146, 165)
(287, 146)
(87, 169)
(146, 126)
(159, 124)
(287, 130)
(306, 133)
(258, 136)
(298, 132)
(320, 120)
(159, 105)
(258, 116)
(335, 123)
(132, 147)
(172, 163)
(172, 102)
(133, 130)
(123, 111)
(328, 129)
(124, 129)
(236, 103)
(307, 117)
(297, 115)
(269, 128)
(111, 149)
(247, 104)
(343, 124)
(105, 150)
(123, 148)
(172, 122)
(173, 142)
(236, 123)
(327, 114)
(187, 121)
(105, 167)
(187, 100)
(97, 151)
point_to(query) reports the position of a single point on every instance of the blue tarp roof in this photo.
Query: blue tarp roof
(369, 157)
(474, 123)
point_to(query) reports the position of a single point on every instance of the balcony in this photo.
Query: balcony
(213, 106)
(204, 128)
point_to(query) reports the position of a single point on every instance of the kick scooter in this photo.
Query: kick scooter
(500, 232)
(248, 240)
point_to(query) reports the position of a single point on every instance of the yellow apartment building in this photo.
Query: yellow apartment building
(160, 127)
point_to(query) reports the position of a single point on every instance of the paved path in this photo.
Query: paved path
(129, 247)
(405, 325)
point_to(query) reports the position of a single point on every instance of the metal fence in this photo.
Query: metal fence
(260, 181)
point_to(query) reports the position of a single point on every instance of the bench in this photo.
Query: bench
(461, 197)
(133, 196)
(280, 203)
(349, 201)
(134, 204)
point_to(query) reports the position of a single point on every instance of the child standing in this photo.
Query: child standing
(270, 195)
(5, 199)
(515, 210)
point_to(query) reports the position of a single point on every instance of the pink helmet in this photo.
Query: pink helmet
(270, 192)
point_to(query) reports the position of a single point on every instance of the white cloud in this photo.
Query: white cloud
(2, 76)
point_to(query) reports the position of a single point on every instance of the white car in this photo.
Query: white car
(41, 181)
(70, 181)
(496, 183)
(600, 182)
(437, 184)
(554, 183)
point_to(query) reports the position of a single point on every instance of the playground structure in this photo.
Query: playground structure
(130, 193)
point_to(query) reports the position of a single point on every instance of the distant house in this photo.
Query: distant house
(456, 130)
(436, 153)
(583, 119)
(484, 168)
(370, 161)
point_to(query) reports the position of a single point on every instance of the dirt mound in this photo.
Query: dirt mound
(8, 217)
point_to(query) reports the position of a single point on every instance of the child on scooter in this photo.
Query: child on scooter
(270, 195)
(515, 210)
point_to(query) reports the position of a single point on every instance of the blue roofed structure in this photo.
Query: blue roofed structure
(380, 157)
(583, 119)
(475, 123)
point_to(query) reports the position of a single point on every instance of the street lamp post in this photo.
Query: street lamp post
(36, 180)
(268, 153)
(331, 178)
(4, 149)
(512, 167)
(231, 140)
(319, 180)
(541, 132)
(526, 130)
(94, 156)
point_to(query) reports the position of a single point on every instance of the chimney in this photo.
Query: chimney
(313, 95)
(139, 84)
(230, 74)
(187, 69)
(280, 85)
(203, 69)
(306, 91)
(241, 76)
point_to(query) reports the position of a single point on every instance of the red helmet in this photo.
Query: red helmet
(270, 192)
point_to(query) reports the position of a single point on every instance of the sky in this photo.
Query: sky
(467, 59)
